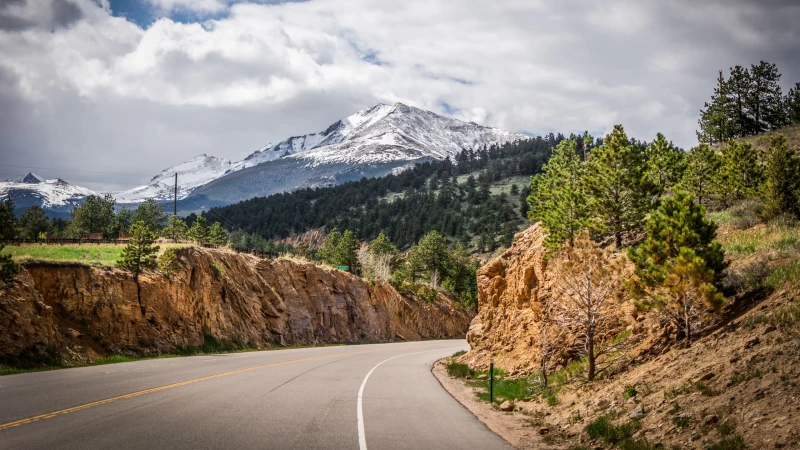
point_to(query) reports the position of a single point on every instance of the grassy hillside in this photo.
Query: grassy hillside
(96, 254)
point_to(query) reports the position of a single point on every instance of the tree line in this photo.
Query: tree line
(748, 102)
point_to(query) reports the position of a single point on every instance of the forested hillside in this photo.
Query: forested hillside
(478, 200)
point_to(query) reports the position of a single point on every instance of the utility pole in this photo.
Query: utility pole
(175, 202)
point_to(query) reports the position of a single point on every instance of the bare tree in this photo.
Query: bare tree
(588, 288)
(548, 338)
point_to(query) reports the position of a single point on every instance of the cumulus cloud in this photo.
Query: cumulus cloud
(85, 90)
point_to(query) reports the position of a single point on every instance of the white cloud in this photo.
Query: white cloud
(81, 87)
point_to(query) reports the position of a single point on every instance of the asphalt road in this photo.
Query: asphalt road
(379, 396)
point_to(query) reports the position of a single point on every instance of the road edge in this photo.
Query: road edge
(484, 412)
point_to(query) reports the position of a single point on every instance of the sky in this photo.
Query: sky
(107, 93)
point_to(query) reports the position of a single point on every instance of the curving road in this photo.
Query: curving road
(380, 396)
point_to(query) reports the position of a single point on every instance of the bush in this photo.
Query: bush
(168, 263)
(730, 443)
(218, 270)
(602, 429)
(746, 214)
(459, 370)
(8, 269)
(747, 277)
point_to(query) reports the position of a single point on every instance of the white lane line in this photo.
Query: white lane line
(362, 438)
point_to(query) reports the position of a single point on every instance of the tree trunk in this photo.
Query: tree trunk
(618, 239)
(544, 372)
(590, 355)
(687, 324)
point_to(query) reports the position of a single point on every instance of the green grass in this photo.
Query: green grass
(602, 429)
(96, 254)
(459, 370)
(459, 353)
(729, 443)
(104, 254)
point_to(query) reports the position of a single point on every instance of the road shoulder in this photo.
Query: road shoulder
(511, 426)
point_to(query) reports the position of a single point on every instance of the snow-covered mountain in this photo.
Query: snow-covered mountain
(52, 194)
(376, 141)
(191, 174)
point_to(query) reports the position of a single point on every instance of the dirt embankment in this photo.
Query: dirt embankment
(70, 313)
(738, 383)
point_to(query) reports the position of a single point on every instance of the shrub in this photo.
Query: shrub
(729, 443)
(218, 270)
(602, 429)
(168, 263)
(630, 391)
(8, 269)
(459, 370)
(459, 353)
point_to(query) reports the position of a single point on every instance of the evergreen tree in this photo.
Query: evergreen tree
(431, 256)
(557, 197)
(347, 251)
(9, 228)
(665, 164)
(139, 255)
(122, 221)
(715, 119)
(199, 231)
(9, 269)
(176, 229)
(381, 245)
(619, 195)
(328, 251)
(782, 179)
(217, 235)
(741, 174)
(739, 86)
(151, 213)
(764, 100)
(680, 264)
(792, 103)
(701, 177)
(168, 263)
(33, 223)
(96, 215)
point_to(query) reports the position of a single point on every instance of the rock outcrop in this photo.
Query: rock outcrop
(511, 289)
(69, 312)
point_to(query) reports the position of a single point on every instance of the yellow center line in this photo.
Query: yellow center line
(50, 415)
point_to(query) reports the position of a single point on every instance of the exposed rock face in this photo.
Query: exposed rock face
(73, 309)
(511, 289)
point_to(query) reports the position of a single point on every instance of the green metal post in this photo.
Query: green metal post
(491, 381)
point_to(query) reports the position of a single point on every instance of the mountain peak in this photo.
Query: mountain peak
(30, 178)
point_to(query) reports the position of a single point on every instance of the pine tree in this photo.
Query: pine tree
(346, 252)
(619, 195)
(715, 120)
(96, 215)
(782, 179)
(33, 223)
(139, 255)
(702, 175)
(199, 231)
(9, 269)
(217, 235)
(739, 85)
(151, 213)
(680, 265)
(741, 173)
(792, 104)
(665, 164)
(382, 245)
(122, 222)
(557, 197)
(176, 229)
(328, 251)
(9, 228)
(168, 263)
(588, 287)
(431, 256)
(764, 100)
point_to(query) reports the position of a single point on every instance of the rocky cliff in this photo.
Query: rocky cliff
(67, 313)
(511, 289)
